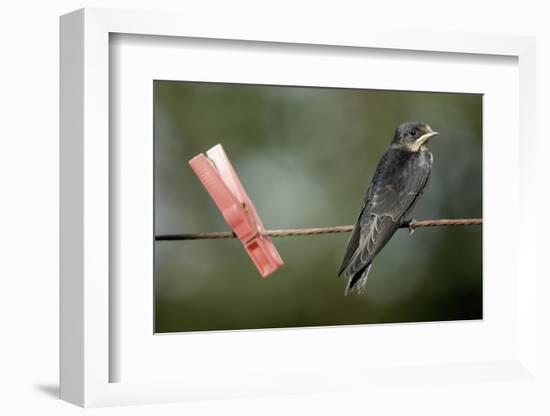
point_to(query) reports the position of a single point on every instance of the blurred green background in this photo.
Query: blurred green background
(306, 157)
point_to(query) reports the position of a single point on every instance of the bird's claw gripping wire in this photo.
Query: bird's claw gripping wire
(411, 225)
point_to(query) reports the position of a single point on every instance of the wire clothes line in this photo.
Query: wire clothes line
(411, 225)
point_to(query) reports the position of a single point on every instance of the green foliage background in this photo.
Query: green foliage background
(306, 157)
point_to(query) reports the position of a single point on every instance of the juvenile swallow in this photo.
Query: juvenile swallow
(400, 178)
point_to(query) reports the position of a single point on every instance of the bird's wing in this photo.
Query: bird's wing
(353, 243)
(397, 194)
(388, 200)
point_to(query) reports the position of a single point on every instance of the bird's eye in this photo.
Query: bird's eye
(413, 132)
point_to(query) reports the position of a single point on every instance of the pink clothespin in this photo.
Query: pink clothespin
(220, 180)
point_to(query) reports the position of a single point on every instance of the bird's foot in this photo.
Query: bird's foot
(412, 227)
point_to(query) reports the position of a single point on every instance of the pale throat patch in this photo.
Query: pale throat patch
(419, 144)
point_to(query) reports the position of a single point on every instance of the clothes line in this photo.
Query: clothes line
(294, 232)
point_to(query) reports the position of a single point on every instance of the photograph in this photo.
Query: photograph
(362, 180)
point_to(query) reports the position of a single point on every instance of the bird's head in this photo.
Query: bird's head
(412, 135)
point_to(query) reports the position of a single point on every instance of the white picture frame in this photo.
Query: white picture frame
(87, 356)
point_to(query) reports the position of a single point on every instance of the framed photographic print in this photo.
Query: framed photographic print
(323, 130)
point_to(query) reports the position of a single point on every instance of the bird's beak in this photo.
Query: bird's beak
(425, 137)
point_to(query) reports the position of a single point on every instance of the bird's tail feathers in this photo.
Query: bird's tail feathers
(358, 281)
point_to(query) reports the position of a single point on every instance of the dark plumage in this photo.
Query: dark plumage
(399, 179)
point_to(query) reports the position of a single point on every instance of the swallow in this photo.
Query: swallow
(399, 180)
